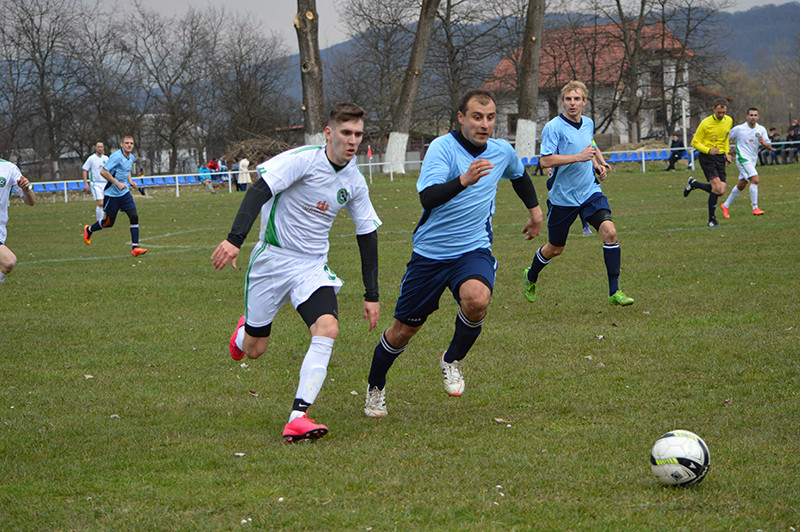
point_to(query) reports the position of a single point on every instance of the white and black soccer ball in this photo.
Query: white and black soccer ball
(680, 458)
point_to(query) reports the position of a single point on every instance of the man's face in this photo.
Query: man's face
(343, 139)
(574, 101)
(98, 148)
(477, 123)
(752, 118)
(719, 111)
(126, 145)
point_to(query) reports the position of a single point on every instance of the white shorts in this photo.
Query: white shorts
(747, 169)
(98, 188)
(276, 276)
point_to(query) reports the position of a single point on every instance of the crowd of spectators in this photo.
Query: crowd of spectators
(785, 150)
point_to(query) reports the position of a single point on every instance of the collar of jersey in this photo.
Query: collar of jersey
(467, 145)
(576, 125)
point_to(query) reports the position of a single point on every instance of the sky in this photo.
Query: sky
(278, 15)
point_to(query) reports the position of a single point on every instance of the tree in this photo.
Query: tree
(528, 86)
(306, 25)
(401, 121)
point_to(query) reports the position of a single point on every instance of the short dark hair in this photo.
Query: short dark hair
(772, 129)
(483, 95)
(753, 109)
(345, 112)
(719, 101)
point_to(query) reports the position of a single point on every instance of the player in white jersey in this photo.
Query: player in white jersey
(299, 193)
(11, 180)
(746, 138)
(92, 180)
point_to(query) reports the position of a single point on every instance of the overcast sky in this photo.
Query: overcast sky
(279, 14)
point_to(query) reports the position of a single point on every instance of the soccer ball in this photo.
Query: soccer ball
(679, 458)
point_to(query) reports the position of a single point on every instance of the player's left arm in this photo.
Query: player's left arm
(524, 189)
(368, 248)
(28, 195)
(601, 167)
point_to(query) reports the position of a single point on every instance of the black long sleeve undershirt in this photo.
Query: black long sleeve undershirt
(256, 196)
(523, 186)
(368, 248)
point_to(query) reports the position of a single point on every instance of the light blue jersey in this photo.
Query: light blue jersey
(464, 223)
(120, 167)
(573, 184)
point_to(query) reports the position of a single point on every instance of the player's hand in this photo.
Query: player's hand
(86, 187)
(587, 154)
(372, 311)
(23, 182)
(713, 151)
(225, 253)
(134, 185)
(476, 170)
(728, 157)
(120, 185)
(534, 224)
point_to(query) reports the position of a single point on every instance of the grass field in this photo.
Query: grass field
(121, 408)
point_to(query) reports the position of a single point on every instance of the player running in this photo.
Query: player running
(11, 180)
(746, 138)
(92, 181)
(299, 193)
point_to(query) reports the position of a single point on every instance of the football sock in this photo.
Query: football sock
(538, 263)
(712, 205)
(464, 336)
(702, 186)
(753, 195)
(314, 368)
(382, 359)
(97, 226)
(239, 338)
(98, 212)
(299, 407)
(612, 255)
(135, 235)
(2, 277)
(734, 194)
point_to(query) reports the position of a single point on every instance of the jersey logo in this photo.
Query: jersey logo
(341, 196)
(2, 182)
(322, 205)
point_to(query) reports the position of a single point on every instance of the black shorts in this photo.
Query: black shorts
(712, 165)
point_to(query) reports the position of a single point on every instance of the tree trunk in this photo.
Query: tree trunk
(306, 24)
(528, 84)
(401, 122)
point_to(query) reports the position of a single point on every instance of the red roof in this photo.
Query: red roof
(567, 53)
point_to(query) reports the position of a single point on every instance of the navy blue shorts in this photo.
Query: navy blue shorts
(425, 281)
(113, 204)
(559, 219)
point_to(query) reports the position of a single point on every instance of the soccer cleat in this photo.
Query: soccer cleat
(302, 428)
(375, 405)
(138, 251)
(726, 211)
(587, 231)
(236, 353)
(713, 222)
(689, 186)
(530, 288)
(87, 236)
(757, 212)
(453, 380)
(619, 298)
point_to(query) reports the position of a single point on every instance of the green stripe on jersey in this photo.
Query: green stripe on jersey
(270, 233)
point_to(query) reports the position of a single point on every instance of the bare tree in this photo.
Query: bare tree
(306, 25)
(528, 86)
(401, 121)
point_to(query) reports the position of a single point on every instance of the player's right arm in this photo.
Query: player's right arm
(699, 137)
(228, 250)
(86, 181)
(105, 174)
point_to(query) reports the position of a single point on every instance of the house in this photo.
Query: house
(596, 55)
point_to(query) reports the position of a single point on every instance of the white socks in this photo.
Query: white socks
(753, 195)
(98, 211)
(734, 194)
(314, 368)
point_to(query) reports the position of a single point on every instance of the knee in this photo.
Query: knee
(399, 334)
(134, 217)
(550, 251)
(609, 232)
(326, 325)
(254, 347)
(108, 222)
(7, 262)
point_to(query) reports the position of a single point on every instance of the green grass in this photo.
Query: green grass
(148, 442)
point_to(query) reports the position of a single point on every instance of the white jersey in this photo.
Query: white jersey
(747, 141)
(9, 174)
(307, 194)
(93, 165)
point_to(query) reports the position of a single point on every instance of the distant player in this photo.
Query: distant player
(299, 193)
(92, 181)
(568, 147)
(746, 139)
(452, 242)
(711, 140)
(11, 180)
(117, 173)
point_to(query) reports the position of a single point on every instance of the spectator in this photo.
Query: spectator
(777, 143)
(235, 171)
(204, 173)
(793, 137)
(212, 165)
(676, 152)
(243, 177)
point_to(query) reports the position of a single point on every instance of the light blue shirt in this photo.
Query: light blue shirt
(572, 184)
(120, 167)
(464, 223)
